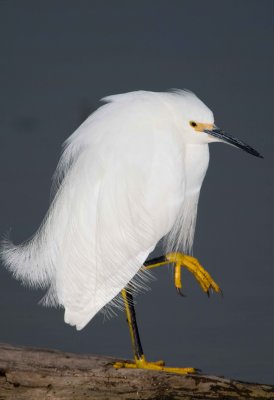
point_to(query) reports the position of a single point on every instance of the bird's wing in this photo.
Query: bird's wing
(116, 214)
(120, 195)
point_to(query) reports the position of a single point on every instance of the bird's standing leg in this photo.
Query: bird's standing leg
(179, 260)
(139, 358)
(192, 264)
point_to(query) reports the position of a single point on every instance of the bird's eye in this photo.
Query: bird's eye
(193, 123)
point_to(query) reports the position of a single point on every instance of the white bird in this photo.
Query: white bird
(129, 176)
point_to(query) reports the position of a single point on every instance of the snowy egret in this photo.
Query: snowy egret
(130, 175)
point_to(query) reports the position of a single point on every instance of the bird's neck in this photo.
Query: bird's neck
(196, 163)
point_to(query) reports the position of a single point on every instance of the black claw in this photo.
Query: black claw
(208, 294)
(180, 293)
(196, 371)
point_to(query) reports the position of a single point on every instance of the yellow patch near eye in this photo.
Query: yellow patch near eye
(200, 126)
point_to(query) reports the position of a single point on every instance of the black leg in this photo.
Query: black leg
(156, 261)
(132, 323)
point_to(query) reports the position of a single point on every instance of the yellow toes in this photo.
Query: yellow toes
(153, 366)
(161, 363)
(203, 277)
(192, 264)
(119, 364)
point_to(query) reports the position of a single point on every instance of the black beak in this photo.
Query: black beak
(218, 133)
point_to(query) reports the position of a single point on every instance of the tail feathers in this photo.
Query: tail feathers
(79, 319)
(27, 262)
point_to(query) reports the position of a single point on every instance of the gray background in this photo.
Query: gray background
(58, 58)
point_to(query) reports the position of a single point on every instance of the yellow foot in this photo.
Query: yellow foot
(192, 264)
(154, 366)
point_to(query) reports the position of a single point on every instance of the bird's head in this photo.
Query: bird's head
(197, 123)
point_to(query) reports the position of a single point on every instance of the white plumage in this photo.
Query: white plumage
(129, 175)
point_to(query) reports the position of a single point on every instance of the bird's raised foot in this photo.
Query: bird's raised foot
(192, 264)
(154, 366)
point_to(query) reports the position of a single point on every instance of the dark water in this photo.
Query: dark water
(57, 60)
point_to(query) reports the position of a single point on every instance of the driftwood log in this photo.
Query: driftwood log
(37, 374)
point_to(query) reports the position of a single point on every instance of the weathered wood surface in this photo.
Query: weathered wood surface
(37, 374)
